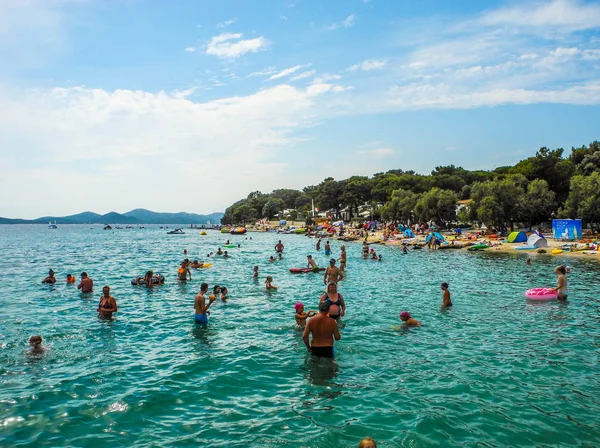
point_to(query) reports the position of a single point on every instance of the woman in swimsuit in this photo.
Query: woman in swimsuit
(343, 258)
(108, 304)
(561, 289)
(337, 306)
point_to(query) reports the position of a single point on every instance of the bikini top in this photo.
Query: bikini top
(338, 302)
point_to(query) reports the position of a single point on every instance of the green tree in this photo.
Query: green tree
(288, 196)
(538, 202)
(244, 213)
(401, 206)
(328, 194)
(504, 200)
(272, 207)
(583, 201)
(437, 205)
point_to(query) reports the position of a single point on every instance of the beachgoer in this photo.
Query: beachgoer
(327, 249)
(225, 255)
(269, 285)
(343, 258)
(312, 264)
(373, 254)
(279, 247)
(446, 302)
(404, 248)
(146, 280)
(197, 265)
(36, 345)
(379, 257)
(367, 442)
(219, 251)
(561, 289)
(271, 259)
(408, 320)
(223, 295)
(86, 284)
(184, 271)
(200, 306)
(108, 304)
(301, 316)
(70, 279)
(184, 251)
(51, 278)
(280, 255)
(332, 273)
(324, 330)
(528, 262)
(337, 306)
(319, 244)
(227, 242)
(365, 250)
(255, 275)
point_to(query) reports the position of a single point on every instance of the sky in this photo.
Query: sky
(190, 105)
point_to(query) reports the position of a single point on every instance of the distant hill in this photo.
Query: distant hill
(137, 216)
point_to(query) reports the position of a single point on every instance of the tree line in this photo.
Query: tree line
(537, 189)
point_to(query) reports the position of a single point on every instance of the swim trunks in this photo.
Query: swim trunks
(316, 269)
(327, 252)
(201, 319)
(323, 352)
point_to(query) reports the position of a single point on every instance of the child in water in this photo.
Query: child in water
(446, 302)
(301, 316)
(561, 289)
(36, 345)
(269, 285)
(255, 275)
(408, 320)
(70, 278)
(367, 442)
(272, 259)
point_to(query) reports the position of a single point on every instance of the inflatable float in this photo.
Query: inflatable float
(238, 231)
(526, 248)
(229, 245)
(159, 280)
(541, 294)
(204, 266)
(203, 233)
(557, 251)
(478, 247)
(590, 252)
(303, 270)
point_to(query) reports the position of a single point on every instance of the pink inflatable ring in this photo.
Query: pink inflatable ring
(541, 294)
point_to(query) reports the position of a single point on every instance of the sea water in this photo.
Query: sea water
(494, 370)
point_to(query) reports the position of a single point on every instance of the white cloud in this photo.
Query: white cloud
(346, 23)
(377, 152)
(283, 17)
(231, 45)
(303, 75)
(226, 23)
(287, 72)
(368, 65)
(190, 49)
(266, 71)
(326, 77)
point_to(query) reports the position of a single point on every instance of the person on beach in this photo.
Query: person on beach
(108, 304)
(561, 289)
(367, 442)
(301, 316)
(324, 330)
(70, 279)
(332, 273)
(408, 320)
(255, 274)
(36, 345)
(337, 306)
(446, 302)
(342, 258)
(269, 283)
(327, 249)
(319, 244)
(200, 306)
(51, 279)
(312, 264)
(86, 284)
(279, 247)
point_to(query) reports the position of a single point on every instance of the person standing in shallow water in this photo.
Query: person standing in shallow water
(332, 273)
(446, 302)
(279, 247)
(51, 278)
(342, 258)
(86, 284)
(324, 330)
(327, 249)
(108, 304)
(200, 306)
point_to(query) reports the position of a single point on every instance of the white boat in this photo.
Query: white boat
(52, 226)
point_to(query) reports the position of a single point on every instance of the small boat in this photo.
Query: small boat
(203, 233)
(176, 232)
(107, 227)
(52, 226)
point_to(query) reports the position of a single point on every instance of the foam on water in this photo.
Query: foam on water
(494, 370)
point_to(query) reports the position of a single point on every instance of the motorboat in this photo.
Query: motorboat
(107, 227)
(176, 232)
(52, 226)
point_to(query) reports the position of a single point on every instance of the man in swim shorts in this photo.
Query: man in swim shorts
(51, 278)
(200, 306)
(312, 264)
(332, 273)
(279, 247)
(324, 329)
(86, 284)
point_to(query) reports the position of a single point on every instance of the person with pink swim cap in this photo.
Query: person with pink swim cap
(301, 316)
(408, 320)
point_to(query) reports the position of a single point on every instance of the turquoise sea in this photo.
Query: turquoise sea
(492, 371)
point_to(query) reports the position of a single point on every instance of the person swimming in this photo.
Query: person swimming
(51, 279)
(70, 279)
(367, 442)
(342, 258)
(36, 345)
(219, 251)
(408, 320)
(223, 296)
(561, 289)
(312, 264)
(255, 274)
(301, 316)
(269, 283)
(225, 254)
(446, 302)
(271, 259)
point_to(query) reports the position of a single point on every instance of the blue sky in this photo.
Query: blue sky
(190, 105)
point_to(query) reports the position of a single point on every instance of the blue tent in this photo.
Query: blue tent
(283, 222)
(438, 235)
(408, 234)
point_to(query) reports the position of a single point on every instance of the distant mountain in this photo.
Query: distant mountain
(149, 217)
(137, 216)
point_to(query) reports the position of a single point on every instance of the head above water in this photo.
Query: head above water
(204, 287)
(404, 315)
(84, 275)
(561, 269)
(298, 306)
(50, 272)
(332, 261)
(444, 285)
(324, 307)
(35, 340)
(367, 442)
(309, 256)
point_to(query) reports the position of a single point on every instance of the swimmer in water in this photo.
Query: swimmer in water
(200, 306)
(327, 248)
(223, 295)
(86, 284)
(70, 279)
(373, 254)
(271, 259)
(301, 316)
(379, 257)
(255, 275)
(312, 264)
(528, 262)
(404, 248)
(446, 302)
(219, 251)
(269, 285)
(36, 345)
(332, 273)
(367, 442)
(318, 247)
(280, 255)
(225, 255)
(408, 320)
(337, 306)
(279, 247)
(108, 304)
(561, 289)
(51, 279)
(184, 271)
(342, 258)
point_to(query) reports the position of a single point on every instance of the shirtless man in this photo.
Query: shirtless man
(51, 278)
(86, 284)
(324, 330)
(200, 306)
(332, 273)
(312, 264)
(279, 247)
